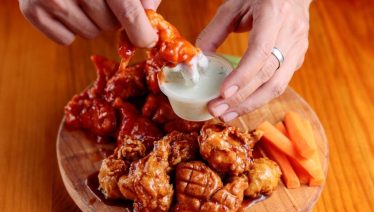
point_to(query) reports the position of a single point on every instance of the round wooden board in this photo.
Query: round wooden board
(78, 157)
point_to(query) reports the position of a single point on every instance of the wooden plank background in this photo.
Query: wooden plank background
(37, 78)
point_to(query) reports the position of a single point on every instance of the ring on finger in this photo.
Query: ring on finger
(278, 55)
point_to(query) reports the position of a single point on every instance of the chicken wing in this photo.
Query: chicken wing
(94, 115)
(263, 178)
(171, 47)
(148, 183)
(135, 126)
(184, 147)
(105, 69)
(158, 109)
(127, 82)
(111, 170)
(195, 183)
(226, 148)
(229, 198)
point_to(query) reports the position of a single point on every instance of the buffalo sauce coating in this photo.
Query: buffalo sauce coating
(171, 47)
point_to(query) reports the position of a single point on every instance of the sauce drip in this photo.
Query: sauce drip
(93, 184)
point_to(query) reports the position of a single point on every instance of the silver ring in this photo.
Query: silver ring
(278, 54)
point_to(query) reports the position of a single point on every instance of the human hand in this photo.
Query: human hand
(283, 24)
(61, 20)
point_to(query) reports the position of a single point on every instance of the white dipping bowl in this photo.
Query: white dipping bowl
(190, 102)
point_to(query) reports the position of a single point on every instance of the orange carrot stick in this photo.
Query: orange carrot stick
(296, 131)
(289, 176)
(315, 156)
(280, 126)
(302, 175)
(277, 139)
(274, 137)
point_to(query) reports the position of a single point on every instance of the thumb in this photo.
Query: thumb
(133, 18)
(222, 24)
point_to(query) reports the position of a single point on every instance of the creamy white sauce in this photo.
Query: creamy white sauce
(201, 82)
(191, 70)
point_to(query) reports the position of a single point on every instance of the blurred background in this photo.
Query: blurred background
(38, 77)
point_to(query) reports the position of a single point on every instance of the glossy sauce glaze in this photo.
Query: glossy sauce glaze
(171, 47)
(92, 182)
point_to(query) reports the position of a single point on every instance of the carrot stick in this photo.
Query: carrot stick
(280, 126)
(274, 137)
(289, 176)
(296, 130)
(315, 156)
(277, 139)
(302, 175)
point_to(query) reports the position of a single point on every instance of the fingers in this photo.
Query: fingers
(284, 41)
(266, 27)
(73, 18)
(132, 17)
(52, 28)
(150, 4)
(272, 88)
(218, 29)
(100, 13)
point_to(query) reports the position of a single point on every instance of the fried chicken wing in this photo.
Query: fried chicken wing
(195, 184)
(130, 149)
(229, 198)
(111, 170)
(125, 49)
(226, 148)
(105, 69)
(171, 47)
(184, 147)
(148, 183)
(94, 115)
(158, 109)
(127, 82)
(151, 69)
(135, 126)
(263, 177)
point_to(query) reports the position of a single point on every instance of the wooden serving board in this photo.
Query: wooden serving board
(79, 156)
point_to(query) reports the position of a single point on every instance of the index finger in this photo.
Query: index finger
(132, 17)
(266, 26)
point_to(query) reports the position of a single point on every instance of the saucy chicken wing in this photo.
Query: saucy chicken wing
(135, 126)
(158, 109)
(127, 82)
(263, 178)
(148, 183)
(171, 47)
(111, 170)
(226, 148)
(184, 147)
(105, 69)
(94, 115)
(195, 183)
(229, 198)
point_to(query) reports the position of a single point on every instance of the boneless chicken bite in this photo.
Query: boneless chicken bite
(226, 148)
(148, 183)
(263, 178)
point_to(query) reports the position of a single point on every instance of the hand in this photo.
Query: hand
(61, 20)
(283, 24)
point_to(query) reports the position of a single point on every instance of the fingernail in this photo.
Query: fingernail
(229, 116)
(220, 109)
(230, 91)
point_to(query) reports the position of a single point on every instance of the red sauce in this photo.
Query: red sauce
(171, 48)
(93, 184)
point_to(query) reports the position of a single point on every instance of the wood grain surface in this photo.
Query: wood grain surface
(79, 157)
(38, 77)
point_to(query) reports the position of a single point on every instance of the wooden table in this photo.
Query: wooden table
(37, 78)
